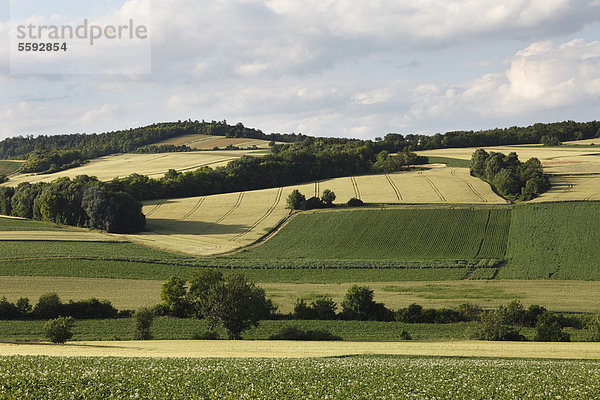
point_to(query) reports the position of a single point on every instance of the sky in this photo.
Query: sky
(342, 68)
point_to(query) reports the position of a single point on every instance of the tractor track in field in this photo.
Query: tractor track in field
(355, 187)
(471, 187)
(193, 210)
(316, 188)
(265, 216)
(227, 214)
(394, 187)
(156, 207)
(435, 189)
(487, 224)
(567, 189)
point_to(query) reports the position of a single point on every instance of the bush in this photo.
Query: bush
(312, 203)
(295, 333)
(328, 197)
(359, 305)
(322, 308)
(494, 327)
(89, 309)
(58, 330)
(354, 202)
(549, 330)
(9, 310)
(143, 319)
(594, 329)
(49, 306)
(206, 335)
(295, 200)
(404, 335)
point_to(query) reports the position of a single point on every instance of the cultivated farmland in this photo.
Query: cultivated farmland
(9, 167)
(153, 165)
(329, 378)
(207, 142)
(220, 223)
(408, 234)
(554, 240)
(556, 160)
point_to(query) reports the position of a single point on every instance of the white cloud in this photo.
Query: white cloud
(106, 111)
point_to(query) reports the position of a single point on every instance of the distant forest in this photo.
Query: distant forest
(126, 141)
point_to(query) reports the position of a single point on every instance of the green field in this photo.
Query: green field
(9, 167)
(526, 241)
(166, 328)
(554, 241)
(393, 234)
(390, 377)
(14, 224)
(450, 162)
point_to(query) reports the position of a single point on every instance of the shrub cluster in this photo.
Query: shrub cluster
(295, 333)
(50, 306)
(83, 201)
(506, 322)
(297, 201)
(511, 177)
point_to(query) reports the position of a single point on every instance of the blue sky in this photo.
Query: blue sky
(349, 68)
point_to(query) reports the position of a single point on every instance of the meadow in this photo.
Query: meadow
(389, 377)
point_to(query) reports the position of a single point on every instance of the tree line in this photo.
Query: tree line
(83, 201)
(510, 177)
(51, 306)
(286, 165)
(135, 140)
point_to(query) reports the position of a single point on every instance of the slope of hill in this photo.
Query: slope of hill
(220, 223)
(554, 240)
(208, 142)
(574, 171)
(153, 165)
(393, 234)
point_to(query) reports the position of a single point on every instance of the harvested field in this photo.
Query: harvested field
(207, 142)
(556, 160)
(153, 165)
(586, 142)
(572, 187)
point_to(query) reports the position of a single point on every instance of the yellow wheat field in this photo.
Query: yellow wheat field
(556, 160)
(206, 142)
(585, 142)
(209, 225)
(295, 349)
(153, 165)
